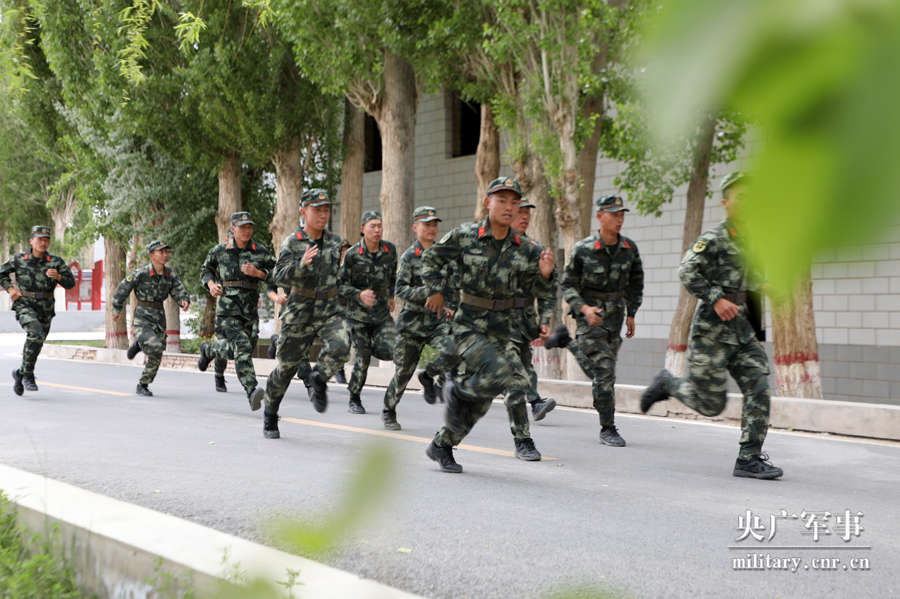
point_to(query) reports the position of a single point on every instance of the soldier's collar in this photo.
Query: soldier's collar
(46, 256)
(364, 249)
(164, 272)
(621, 243)
(730, 228)
(250, 245)
(484, 230)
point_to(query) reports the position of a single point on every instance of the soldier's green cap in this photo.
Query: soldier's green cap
(732, 178)
(526, 202)
(505, 183)
(156, 245)
(40, 231)
(425, 214)
(345, 243)
(611, 203)
(314, 197)
(369, 215)
(239, 219)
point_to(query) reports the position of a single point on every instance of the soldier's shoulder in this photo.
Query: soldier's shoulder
(585, 244)
(528, 243)
(629, 243)
(707, 240)
(390, 246)
(410, 253)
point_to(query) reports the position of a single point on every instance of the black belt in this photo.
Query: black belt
(610, 296)
(495, 305)
(36, 294)
(312, 294)
(736, 298)
(157, 305)
(241, 284)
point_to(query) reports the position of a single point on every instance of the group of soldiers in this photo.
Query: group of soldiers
(478, 297)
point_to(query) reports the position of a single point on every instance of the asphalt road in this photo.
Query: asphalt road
(654, 519)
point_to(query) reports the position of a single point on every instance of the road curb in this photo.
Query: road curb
(115, 546)
(813, 415)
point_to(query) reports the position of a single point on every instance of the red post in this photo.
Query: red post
(96, 285)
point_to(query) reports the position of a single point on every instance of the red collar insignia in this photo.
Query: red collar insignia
(481, 232)
(517, 239)
(597, 245)
(626, 244)
(418, 251)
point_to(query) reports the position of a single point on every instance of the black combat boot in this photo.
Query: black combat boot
(28, 380)
(427, 387)
(271, 351)
(255, 398)
(133, 350)
(220, 384)
(203, 361)
(389, 418)
(444, 457)
(610, 436)
(656, 391)
(756, 466)
(541, 408)
(356, 406)
(318, 392)
(144, 390)
(18, 387)
(525, 450)
(558, 338)
(270, 426)
(453, 416)
(340, 377)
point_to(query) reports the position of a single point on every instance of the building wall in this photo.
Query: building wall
(856, 290)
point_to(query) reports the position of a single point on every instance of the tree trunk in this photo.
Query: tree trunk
(693, 226)
(352, 173)
(229, 194)
(397, 121)
(4, 257)
(795, 347)
(62, 212)
(208, 318)
(587, 162)
(289, 169)
(114, 272)
(487, 159)
(173, 326)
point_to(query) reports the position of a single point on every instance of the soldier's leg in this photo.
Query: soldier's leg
(335, 341)
(152, 346)
(304, 369)
(36, 325)
(237, 332)
(514, 399)
(446, 357)
(705, 387)
(384, 338)
(470, 413)
(362, 337)
(407, 351)
(293, 343)
(749, 367)
(219, 363)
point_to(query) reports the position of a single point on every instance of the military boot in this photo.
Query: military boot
(255, 398)
(271, 352)
(756, 466)
(525, 450)
(453, 416)
(340, 377)
(356, 406)
(28, 380)
(444, 457)
(541, 408)
(318, 392)
(204, 360)
(220, 384)
(389, 418)
(144, 390)
(610, 436)
(656, 391)
(427, 387)
(133, 350)
(558, 338)
(270, 426)
(18, 387)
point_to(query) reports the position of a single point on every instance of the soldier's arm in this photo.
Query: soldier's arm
(404, 287)
(546, 304)
(536, 285)
(571, 282)
(634, 291)
(67, 279)
(5, 271)
(692, 273)
(435, 259)
(345, 289)
(392, 275)
(124, 290)
(209, 270)
(269, 267)
(178, 292)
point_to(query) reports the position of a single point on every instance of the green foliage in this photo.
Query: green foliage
(823, 82)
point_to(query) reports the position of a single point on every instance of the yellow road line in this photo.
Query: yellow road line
(399, 436)
(46, 384)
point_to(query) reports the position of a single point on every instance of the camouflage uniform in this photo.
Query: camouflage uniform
(714, 268)
(312, 309)
(372, 330)
(35, 313)
(151, 288)
(418, 326)
(596, 271)
(490, 270)
(237, 309)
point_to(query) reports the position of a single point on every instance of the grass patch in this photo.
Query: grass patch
(85, 342)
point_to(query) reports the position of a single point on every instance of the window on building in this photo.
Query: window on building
(465, 127)
(372, 161)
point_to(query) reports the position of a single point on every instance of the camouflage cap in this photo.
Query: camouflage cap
(504, 183)
(239, 219)
(345, 243)
(156, 245)
(611, 203)
(425, 214)
(40, 231)
(369, 215)
(526, 202)
(732, 178)
(314, 197)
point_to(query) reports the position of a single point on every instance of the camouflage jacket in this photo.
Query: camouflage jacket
(361, 270)
(322, 275)
(415, 318)
(31, 275)
(488, 269)
(149, 286)
(528, 328)
(594, 266)
(223, 263)
(712, 267)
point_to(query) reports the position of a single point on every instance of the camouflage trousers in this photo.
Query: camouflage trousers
(493, 366)
(240, 337)
(369, 340)
(37, 325)
(293, 347)
(526, 353)
(705, 387)
(220, 364)
(596, 352)
(407, 352)
(152, 342)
